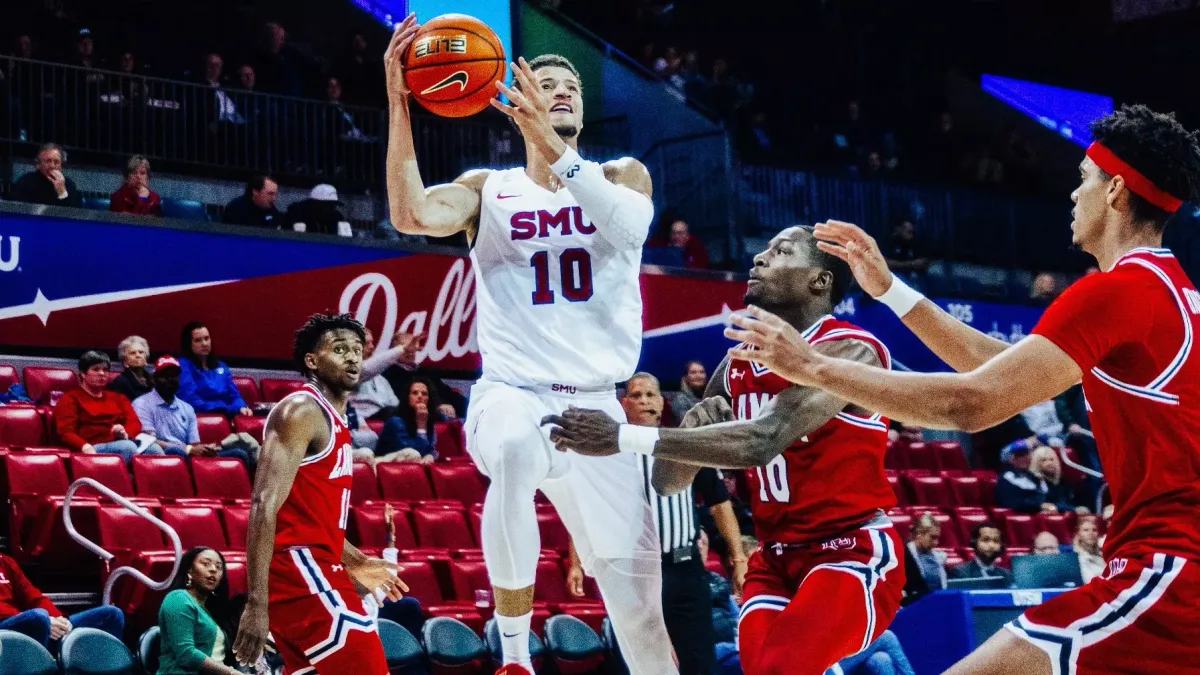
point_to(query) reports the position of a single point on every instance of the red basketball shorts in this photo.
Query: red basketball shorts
(325, 629)
(807, 607)
(1141, 617)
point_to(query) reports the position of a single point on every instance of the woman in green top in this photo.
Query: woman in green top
(194, 618)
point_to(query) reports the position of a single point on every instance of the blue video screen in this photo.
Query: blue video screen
(1064, 111)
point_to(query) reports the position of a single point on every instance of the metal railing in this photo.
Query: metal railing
(105, 555)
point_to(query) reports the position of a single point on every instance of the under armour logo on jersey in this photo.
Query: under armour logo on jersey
(336, 568)
(736, 373)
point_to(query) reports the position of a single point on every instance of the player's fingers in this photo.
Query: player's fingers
(553, 419)
(746, 336)
(520, 76)
(765, 316)
(518, 99)
(834, 250)
(829, 232)
(745, 354)
(503, 107)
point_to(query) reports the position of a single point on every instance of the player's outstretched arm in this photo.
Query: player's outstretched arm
(293, 427)
(442, 210)
(671, 477)
(731, 445)
(1032, 371)
(963, 348)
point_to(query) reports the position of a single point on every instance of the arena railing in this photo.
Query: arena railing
(104, 554)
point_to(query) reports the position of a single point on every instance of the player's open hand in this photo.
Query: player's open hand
(859, 249)
(772, 342)
(252, 633)
(588, 432)
(529, 108)
(379, 577)
(402, 38)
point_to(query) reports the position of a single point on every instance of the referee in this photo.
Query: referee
(687, 601)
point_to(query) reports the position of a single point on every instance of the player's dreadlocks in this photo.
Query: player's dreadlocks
(1159, 148)
(309, 335)
(839, 268)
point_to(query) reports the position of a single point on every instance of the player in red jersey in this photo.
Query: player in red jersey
(819, 492)
(304, 578)
(1129, 334)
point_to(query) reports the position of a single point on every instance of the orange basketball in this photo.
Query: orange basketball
(453, 64)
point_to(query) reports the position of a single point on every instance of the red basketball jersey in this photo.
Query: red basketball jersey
(314, 514)
(828, 481)
(1132, 331)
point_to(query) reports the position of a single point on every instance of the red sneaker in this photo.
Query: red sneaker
(514, 669)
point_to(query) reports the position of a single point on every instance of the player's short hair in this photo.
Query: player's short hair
(550, 61)
(309, 335)
(840, 269)
(1160, 148)
(93, 358)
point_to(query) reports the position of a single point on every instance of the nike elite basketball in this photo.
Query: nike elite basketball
(453, 65)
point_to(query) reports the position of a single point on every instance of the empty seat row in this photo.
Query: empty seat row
(407, 481)
(925, 455)
(913, 488)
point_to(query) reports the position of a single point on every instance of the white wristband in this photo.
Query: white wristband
(568, 159)
(638, 440)
(900, 298)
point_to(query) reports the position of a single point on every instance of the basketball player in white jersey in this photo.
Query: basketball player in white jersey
(556, 249)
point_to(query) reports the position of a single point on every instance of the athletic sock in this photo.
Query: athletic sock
(514, 638)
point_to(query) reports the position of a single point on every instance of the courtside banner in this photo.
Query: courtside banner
(77, 284)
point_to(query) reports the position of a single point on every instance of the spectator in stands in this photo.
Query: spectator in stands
(908, 256)
(988, 548)
(131, 87)
(724, 610)
(1017, 487)
(221, 108)
(135, 195)
(90, 419)
(409, 435)
(256, 207)
(321, 213)
(1087, 546)
(403, 369)
(1047, 467)
(342, 122)
(246, 77)
(24, 609)
(195, 618)
(134, 380)
(47, 184)
(374, 398)
(173, 421)
(361, 77)
(691, 389)
(1044, 288)
(278, 66)
(1045, 543)
(926, 534)
(674, 232)
(205, 382)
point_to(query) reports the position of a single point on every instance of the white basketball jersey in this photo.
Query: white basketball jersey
(555, 302)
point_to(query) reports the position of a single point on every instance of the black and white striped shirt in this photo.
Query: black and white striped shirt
(675, 516)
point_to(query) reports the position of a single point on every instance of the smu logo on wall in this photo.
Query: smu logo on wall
(10, 260)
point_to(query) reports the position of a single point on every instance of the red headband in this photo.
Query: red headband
(1134, 180)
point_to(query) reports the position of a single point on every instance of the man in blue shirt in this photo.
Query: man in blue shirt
(172, 419)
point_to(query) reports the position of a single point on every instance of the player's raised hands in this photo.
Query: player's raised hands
(393, 68)
(529, 108)
(772, 342)
(859, 249)
(588, 432)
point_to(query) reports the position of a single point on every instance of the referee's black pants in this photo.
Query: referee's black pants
(687, 609)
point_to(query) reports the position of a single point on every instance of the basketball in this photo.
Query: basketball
(453, 64)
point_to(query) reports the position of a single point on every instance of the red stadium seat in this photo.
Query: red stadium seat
(920, 456)
(969, 518)
(274, 389)
(467, 577)
(136, 599)
(235, 571)
(458, 481)
(375, 425)
(220, 477)
(247, 424)
(365, 487)
(404, 481)
(368, 527)
(553, 532)
(237, 525)
(949, 455)
(966, 490)
(213, 428)
(930, 491)
(422, 583)
(898, 488)
(162, 476)
(1020, 529)
(42, 381)
(451, 441)
(248, 388)
(124, 533)
(8, 377)
(1060, 525)
(895, 458)
(31, 476)
(475, 520)
(196, 526)
(108, 470)
(903, 524)
(442, 528)
(952, 557)
(550, 585)
(21, 426)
